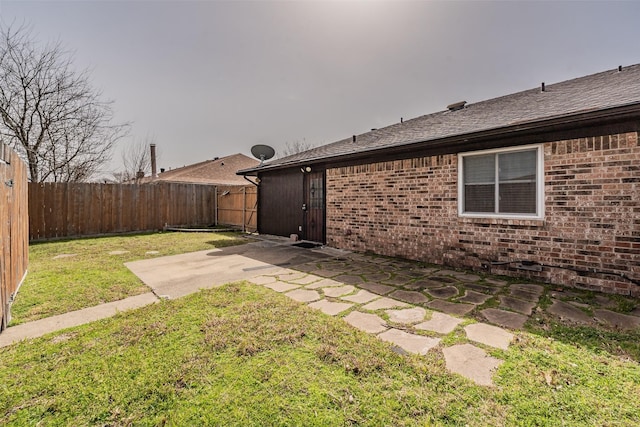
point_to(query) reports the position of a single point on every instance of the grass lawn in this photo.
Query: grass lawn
(73, 274)
(245, 355)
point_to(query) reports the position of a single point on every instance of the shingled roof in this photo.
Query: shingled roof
(595, 93)
(219, 171)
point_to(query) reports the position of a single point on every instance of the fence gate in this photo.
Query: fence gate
(14, 229)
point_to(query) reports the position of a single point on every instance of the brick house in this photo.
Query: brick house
(543, 184)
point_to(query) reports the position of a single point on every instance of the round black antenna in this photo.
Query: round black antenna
(262, 152)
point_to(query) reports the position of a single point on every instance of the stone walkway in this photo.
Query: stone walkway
(414, 307)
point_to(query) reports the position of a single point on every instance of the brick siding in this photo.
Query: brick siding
(408, 208)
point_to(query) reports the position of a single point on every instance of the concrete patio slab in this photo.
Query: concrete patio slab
(383, 303)
(263, 280)
(279, 286)
(303, 295)
(412, 297)
(407, 316)
(504, 318)
(180, 275)
(411, 343)
(44, 326)
(329, 307)
(440, 322)
(489, 335)
(366, 322)
(471, 362)
(361, 297)
(459, 309)
(338, 291)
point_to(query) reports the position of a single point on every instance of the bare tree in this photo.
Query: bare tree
(50, 113)
(136, 157)
(296, 147)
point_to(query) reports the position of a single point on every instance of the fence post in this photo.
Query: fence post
(215, 214)
(244, 209)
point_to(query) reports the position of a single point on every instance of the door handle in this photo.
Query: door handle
(304, 206)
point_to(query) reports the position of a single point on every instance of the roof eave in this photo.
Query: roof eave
(565, 121)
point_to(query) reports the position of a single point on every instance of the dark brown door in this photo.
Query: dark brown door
(314, 207)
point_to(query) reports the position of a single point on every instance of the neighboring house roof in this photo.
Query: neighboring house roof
(221, 171)
(563, 101)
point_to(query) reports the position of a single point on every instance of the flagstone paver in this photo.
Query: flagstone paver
(367, 322)
(262, 280)
(377, 277)
(423, 284)
(279, 286)
(486, 289)
(398, 280)
(361, 297)
(291, 276)
(443, 293)
(326, 273)
(411, 343)
(324, 283)
(515, 304)
(407, 316)
(473, 297)
(466, 277)
(409, 296)
(471, 362)
(567, 311)
(617, 320)
(504, 318)
(308, 279)
(496, 282)
(303, 295)
(349, 279)
(383, 303)
(440, 322)
(377, 288)
(490, 335)
(338, 291)
(459, 309)
(527, 291)
(118, 252)
(329, 307)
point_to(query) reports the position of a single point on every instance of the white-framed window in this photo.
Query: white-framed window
(502, 183)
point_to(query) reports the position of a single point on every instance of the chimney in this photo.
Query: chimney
(153, 161)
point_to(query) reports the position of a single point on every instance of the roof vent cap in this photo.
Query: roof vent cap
(456, 106)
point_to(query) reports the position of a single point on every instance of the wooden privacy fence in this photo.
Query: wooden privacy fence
(14, 229)
(238, 206)
(59, 210)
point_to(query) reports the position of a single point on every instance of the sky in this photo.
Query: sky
(208, 79)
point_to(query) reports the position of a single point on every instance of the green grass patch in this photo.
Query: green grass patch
(245, 355)
(85, 274)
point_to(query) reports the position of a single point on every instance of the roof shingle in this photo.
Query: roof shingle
(599, 91)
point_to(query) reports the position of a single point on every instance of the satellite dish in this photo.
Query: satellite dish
(262, 152)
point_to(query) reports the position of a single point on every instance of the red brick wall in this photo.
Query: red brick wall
(408, 208)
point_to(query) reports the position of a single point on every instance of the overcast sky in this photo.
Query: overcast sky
(213, 78)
